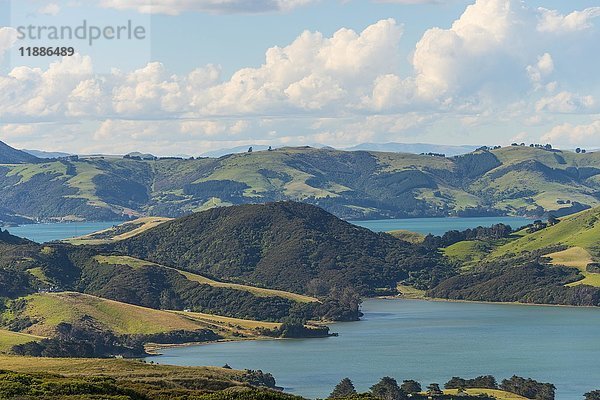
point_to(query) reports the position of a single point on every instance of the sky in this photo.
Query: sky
(211, 74)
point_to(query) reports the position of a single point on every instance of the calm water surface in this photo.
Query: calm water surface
(427, 341)
(439, 226)
(57, 231)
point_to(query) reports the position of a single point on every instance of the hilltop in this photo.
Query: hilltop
(286, 245)
(512, 180)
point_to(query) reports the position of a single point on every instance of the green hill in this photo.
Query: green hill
(349, 184)
(47, 310)
(27, 268)
(85, 378)
(258, 291)
(579, 230)
(9, 155)
(287, 246)
(555, 264)
(9, 339)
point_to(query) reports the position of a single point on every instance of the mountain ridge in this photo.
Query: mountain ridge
(513, 180)
(10, 155)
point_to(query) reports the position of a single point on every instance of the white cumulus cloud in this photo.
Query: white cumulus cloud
(565, 102)
(574, 134)
(553, 21)
(176, 7)
(493, 66)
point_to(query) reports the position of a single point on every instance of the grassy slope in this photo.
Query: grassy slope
(168, 177)
(50, 309)
(53, 308)
(126, 230)
(547, 192)
(9, 339)
(579, 258)
(579, 230)
(27, 171)
(410, 292)
(119, 369)
(228, 323)
(466, 252)
(137, 263)
(245, 168)
(498, 394)
(408, 236)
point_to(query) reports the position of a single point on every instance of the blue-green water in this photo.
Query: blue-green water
(439, 226)
(427, 341)
(57, 231)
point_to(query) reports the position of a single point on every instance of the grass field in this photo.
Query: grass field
(228, 325)
(9, 339)
(28, 171)
(408, 236)
(137, 263)
(120, 369)
(409, 292)
(579, 230)
(467, 252)
(579, 258)
(128, 229)
(498, 394)
(50, 309)
(252, 289)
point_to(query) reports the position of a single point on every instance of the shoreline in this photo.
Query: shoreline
(153, 349)
(504, 303)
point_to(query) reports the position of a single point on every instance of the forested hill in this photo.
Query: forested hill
(514, 180)
(9, 155)
(285, 245)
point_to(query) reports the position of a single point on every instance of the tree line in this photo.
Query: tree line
(389, 389)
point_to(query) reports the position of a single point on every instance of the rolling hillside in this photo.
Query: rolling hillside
(579, 230)
(119, 232)
(350, 184)
(556, 264)
(48, 310)
(258, 291)
(92, 378)
(51, 309)
(286, 246)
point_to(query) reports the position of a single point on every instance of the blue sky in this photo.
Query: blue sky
(365, 71)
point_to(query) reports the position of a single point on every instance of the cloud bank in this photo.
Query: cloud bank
(498, 63)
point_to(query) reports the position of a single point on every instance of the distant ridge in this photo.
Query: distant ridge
(46, 154)
(9, 155)
(392, 147)
(233, 150)
(415, 148)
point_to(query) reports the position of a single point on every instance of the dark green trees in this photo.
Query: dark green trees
(387, 389)
(481, 382)
(593, 395)
(343, 389)
(434, 390)
(410, 386)
(529, 388)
